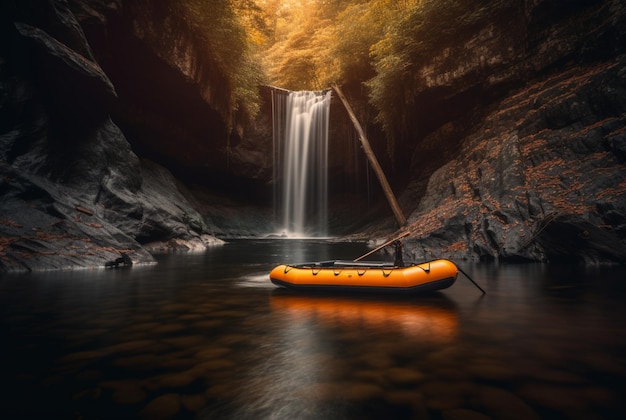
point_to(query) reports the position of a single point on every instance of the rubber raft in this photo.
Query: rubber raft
(378, 277)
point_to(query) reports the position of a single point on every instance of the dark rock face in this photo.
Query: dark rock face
(174, 106)
(541, 177)
(513, 150)
(73, 192)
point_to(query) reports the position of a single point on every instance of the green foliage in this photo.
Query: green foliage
(381, 43)
(298, 58)
(221, 25)
(292, 63)
(414, 38)
(357, 28)
(223, 60)
(310, 44)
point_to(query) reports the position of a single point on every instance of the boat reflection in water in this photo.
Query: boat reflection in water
(430, 319)
(346, 356)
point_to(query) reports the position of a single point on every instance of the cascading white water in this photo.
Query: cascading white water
(301, 161)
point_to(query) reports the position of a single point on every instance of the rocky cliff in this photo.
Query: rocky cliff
(74, 193)
(519, 140)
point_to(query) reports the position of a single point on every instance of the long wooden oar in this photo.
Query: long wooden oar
(382, 246)
(470, 279)
(378, 170)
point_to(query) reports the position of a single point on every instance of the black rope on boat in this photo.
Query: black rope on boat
(426, 270)
(470, 279)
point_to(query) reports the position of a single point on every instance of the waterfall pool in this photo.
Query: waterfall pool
(208, 336)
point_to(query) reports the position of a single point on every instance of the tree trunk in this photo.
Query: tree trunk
(391, 198)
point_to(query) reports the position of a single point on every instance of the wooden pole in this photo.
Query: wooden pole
(391, 198)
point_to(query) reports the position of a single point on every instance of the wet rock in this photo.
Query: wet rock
(232, 339)
(125, 392)
(193, 403)
(142, 326)
(175, 380)
(208, 324)
(212, 352)
(169, 328)
(230, 313)
(410, 398)
(82, 356)
(554, 376)
(164, 407)
(185, 341)
(377, 360)
(404, 377)
(440, 395)
(451, 373)
(130, 347)
(214, 365)
(360, 391)
(599, 362)
(142, 362)
(53, 381)
(123, 261)
(128, 394)
(222, 392)
(463, 414)
(492, 371)
(572, 238)
(90, 375)
(90, 394)
(370, 376)
(190, 317)
(175, 307)
(503, 404)
(176, 362)
(597, 396)
(554, 397)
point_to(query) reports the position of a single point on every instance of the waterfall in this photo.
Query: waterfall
(301, 161)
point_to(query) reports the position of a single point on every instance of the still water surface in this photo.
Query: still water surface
(208, 336)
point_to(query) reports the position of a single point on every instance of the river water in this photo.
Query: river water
(208, 336)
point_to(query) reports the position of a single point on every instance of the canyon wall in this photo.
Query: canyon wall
(74, 192)
(518, 143)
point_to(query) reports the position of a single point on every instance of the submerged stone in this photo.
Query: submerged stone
(164, 407)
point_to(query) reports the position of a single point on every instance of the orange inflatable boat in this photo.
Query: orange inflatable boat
(366, 276)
